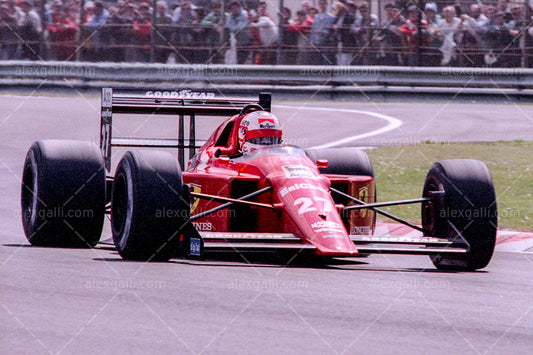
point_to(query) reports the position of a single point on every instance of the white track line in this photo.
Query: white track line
(393, 123)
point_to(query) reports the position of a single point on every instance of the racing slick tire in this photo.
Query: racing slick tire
(63, 194)
(343, 161)
(468, 202)
(147, 206)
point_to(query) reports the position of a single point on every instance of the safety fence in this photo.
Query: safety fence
(183, 76)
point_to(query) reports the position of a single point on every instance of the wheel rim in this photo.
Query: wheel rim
(29, 195)
(119, 208)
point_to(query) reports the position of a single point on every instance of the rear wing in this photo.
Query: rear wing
(177, 104)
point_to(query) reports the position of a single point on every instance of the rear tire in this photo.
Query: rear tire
(469, 203)
(147, 207)
(63, 194)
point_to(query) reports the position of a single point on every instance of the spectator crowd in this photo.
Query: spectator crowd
(495, 33)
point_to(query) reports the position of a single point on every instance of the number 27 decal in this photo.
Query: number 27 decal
(306, 204)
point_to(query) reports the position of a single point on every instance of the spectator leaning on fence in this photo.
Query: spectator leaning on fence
(345, 18)
(470, 53)
(97, 45)
(497, 36)
(322, 37)
(9, 40)
(141, 29)
(183, 34)
(268, 35)
(517, 27)
(302, 28)
(366, 30)
(162, 32)
(215, 21)
(449, 27)
(529, 38)
(119, 26)
(412, 36)
(432, 55)
(62, 34)
(200, 36)
(239, 26)
(390, 37)
(288, 39)
(30, 29)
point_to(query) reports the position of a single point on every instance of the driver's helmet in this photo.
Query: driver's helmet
(261, 128)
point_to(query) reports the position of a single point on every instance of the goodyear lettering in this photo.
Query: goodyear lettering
(400, 239)
(247, 236)
(182, 94)
(303, 185)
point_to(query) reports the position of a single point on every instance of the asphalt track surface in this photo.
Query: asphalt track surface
(75, 301)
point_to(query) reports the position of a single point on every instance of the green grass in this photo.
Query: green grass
(400, 172)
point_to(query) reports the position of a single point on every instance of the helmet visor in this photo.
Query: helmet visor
(265, 140)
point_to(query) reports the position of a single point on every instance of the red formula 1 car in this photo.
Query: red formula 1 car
(242, 191)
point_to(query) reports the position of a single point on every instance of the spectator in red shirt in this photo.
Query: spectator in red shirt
(410, 32)
(62, 33)
(142, 27)
(302, 28)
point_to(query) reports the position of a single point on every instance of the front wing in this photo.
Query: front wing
(366, 244)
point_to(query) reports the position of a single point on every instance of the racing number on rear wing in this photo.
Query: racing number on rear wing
(105, 123)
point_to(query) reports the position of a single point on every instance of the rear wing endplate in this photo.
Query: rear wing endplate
(179, 104)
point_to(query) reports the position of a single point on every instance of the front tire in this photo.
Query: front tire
(469, 204)
(63, 194)
(147, 206)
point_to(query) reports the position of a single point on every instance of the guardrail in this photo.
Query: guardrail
(327, 78)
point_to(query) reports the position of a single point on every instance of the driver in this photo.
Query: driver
(259, 128)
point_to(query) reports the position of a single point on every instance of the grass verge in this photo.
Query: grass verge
(400, 172)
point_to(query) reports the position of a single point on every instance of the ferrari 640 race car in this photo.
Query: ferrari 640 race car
(241, 191)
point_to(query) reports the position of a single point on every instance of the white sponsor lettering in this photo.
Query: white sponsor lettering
(203, 226)
(326, 224)
(299, 186)
(360, 230)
